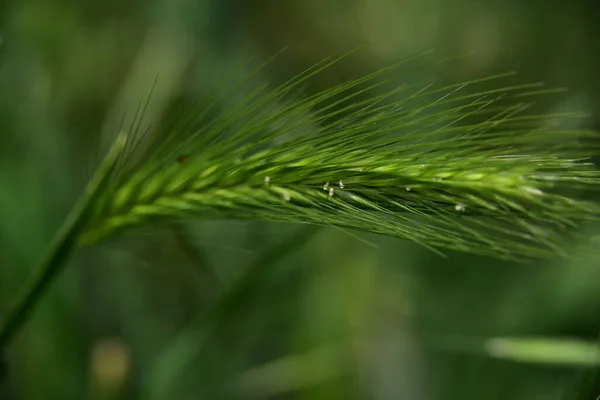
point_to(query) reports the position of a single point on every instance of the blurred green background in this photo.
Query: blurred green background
(252, 310)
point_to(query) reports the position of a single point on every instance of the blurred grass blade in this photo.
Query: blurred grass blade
(181, 354)
(550, 351)
(295, 372)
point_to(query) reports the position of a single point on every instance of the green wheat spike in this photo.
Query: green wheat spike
(449, 169)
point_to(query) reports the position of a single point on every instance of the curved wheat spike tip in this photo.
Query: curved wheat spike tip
(464, 167)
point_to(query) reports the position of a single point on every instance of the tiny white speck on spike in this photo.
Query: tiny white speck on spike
(341, 184)
(533, 191)
(408, 188)
(460, 207)
(286, 196)
(326, 186)
(267, 180)
(331, 192)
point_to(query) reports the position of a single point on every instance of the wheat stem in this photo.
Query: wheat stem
(64, 243)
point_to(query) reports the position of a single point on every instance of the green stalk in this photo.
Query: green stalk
(64, 243)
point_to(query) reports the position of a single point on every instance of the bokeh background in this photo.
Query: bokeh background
(255, 310)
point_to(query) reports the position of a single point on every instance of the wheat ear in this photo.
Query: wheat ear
(469, 171)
